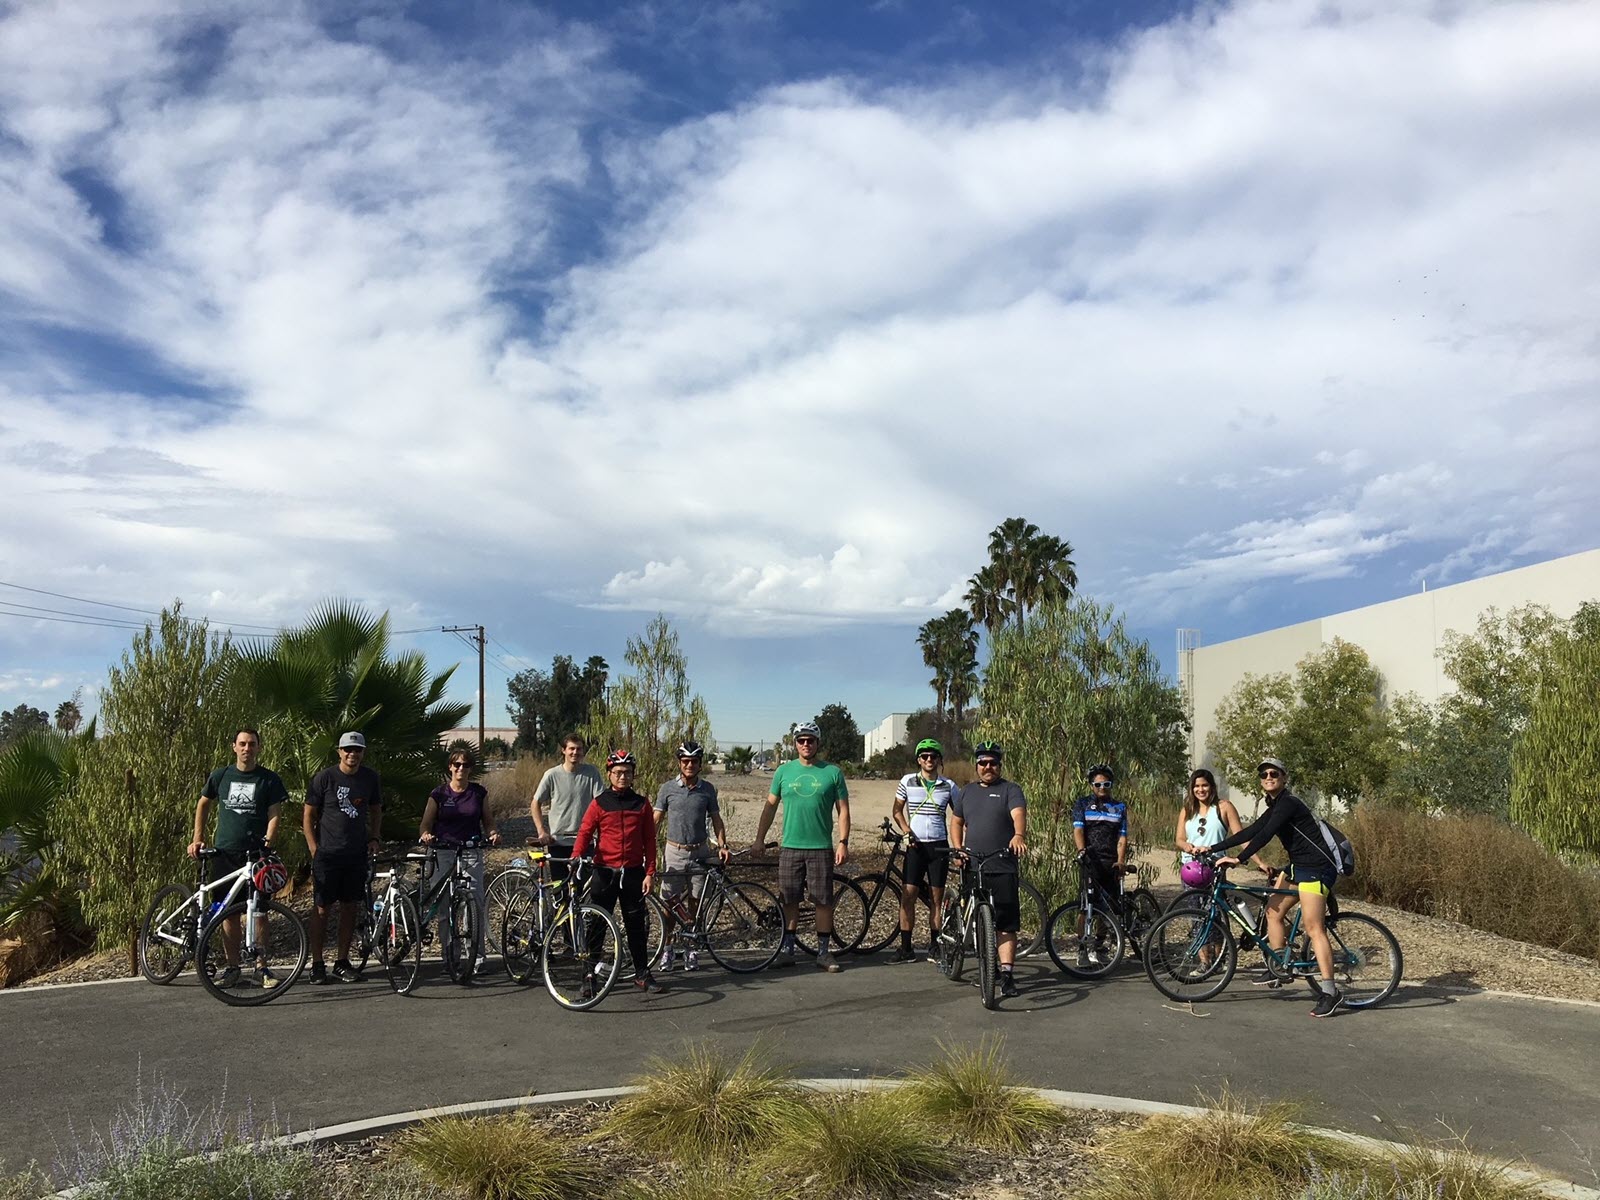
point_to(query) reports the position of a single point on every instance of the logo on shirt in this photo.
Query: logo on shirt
(806, 785)
(241, 796)
(346, 805)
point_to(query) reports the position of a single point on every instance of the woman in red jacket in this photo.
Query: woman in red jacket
(620, 826)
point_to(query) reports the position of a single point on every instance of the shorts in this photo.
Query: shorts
(341, 880)
(676, 874)
(1311, 881)
(1004, 895)
(223, 862)
(1103, 874)
(803, 873)
(927, 864)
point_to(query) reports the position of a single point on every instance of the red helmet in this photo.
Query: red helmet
(621, 758)
(270, 875)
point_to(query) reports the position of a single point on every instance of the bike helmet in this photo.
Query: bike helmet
(691, 750)
(1196, 874)
(270, 874)
(621, 758)
(807, 729)
(988, 750)
(1100, 769)
(927, 744)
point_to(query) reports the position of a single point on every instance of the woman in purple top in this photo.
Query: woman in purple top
(458, 811)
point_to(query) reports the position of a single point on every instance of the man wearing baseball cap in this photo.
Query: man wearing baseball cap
(343, 814)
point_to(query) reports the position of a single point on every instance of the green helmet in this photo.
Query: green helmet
(929, 744)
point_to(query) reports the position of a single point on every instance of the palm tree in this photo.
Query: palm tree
(35, 772)
(931, 637)
(69, 715)
(987, 599)
(1047, 573)
(1026, 568)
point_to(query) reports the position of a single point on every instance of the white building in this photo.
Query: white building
(1402, 637)
(891, 731)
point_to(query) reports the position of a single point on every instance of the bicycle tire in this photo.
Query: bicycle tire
(567, 966)
(459, 949)
(1071, 948)
(743, 927)
(883, 913)
(364, 942)
(1031, 935)
(1143, 911)
(521, 936)
(849, 918)
(952, 938)
(1190, 955)
(287, 948)
(497, 898)
(988, 957)
(1367, 961)
(167, 934)
(400, 942)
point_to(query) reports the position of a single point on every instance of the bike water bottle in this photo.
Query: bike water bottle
(216, 907)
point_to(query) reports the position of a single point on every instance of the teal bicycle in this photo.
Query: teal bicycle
(1191, 953)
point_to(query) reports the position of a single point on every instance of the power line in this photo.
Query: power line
(151, 612)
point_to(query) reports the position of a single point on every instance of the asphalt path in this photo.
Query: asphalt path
(1517, 1077)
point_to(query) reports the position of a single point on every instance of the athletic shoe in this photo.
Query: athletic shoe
(229, 977)
(1327, 1002)
(1266, 979)
(933, 953)
(691, 960)
(586, 992)
(601, 970)
(480, 966)
(319, 972)
(268, 977)
(345, 973)
(646, 983)
(1008, 986)
(827, 962)
(785, 957)
(668, 960)
(1083, 959)
(1094, 957)
(903, 954)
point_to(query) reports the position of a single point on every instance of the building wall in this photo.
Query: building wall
(891, 731)
(1402, 637)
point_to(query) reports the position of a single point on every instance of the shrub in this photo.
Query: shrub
(705, 1105)
(501, 1158)
(870, 1143)
(972, 1095)
(1476, 870)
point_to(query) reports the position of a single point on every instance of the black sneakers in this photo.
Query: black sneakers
(903, 954)
(319, 972)
(1327, 1003)
(1008, 986)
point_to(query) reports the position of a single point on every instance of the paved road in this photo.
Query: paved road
(1518, 1076)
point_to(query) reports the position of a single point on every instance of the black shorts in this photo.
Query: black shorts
(803, 873)
(341, 880)
(223, 862)
(1105, 875)
(927, 864)
(1003, 892)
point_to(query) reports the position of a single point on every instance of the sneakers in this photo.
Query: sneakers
(481, 965)
(229, 977)
(903, 954)
(345, 973)
(586, 992)
(1008, 986)
(668, 959)
(601, 970)
(1097, 956)
(267, 977)
(1083, 958)
(785, 956)
(827, 962)
(1266, 979)
(646, 984)
(319, 972)
(691, 960)
(933, 952)
(1327, 1002)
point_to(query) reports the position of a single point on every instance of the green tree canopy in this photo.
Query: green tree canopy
(841, 738)
(36, 772)
(548, 705)
(1026, 568)
(949, 646)
(1555, 784)
(21, 721)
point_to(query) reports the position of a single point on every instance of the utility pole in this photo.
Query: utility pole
(478, 639)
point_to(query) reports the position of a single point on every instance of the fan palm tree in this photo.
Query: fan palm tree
(35, 771)
(931, 638)
(69, 715)
(987, 599)
(1026, 568)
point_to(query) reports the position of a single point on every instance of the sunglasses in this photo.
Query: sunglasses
(352, 749)
(988, 762)
(927, 754)
(458, 766)
(1099, 785)
(1271, 774)
(805, 741)
(1202, 825)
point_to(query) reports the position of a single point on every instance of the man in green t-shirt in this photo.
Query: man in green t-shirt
(809, 790)
(248, 796)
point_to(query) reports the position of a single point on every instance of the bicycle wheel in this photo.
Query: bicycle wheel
(988, 963)
(1367, 962)
(497, 898)
(1085, 947)
(399, 943)
(364, 943)
(581, 957)
(1141, 910)
(1030, 936)
(743, 927)
(458, 949)
(1190, 955)
(166, 938)
(952, 938)
(849, 918)
(521, 936)
(279, 956)
(883, 913)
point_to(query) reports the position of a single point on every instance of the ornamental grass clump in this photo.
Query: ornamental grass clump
(971, 1094)
(868, 1143)
(705, 1105)
(502, 1158)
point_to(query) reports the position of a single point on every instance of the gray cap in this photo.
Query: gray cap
(352, 739)
(1273, 762)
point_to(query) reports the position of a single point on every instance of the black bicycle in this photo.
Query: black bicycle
(968, 925)
(1087, 937)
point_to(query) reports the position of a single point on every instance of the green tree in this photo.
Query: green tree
(739, 760)
(651, 709)
(949, 646)
(1555, 783)
(987, 598)
(548, 705)
(69, 713)
(841, 737)
(1339, 736)
(36, 772)
(1027, 568)
(1251, 721)
(168, 714)
(21, 721)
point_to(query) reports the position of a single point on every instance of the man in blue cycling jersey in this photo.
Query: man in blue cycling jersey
(1100, 832)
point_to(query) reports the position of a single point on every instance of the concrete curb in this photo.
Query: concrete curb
(1088, 1101)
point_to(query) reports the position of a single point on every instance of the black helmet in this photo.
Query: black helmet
(691, 749)
(1100, 769)
(988, 750)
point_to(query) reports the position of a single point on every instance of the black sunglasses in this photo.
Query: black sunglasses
(988, 762)
(1271, 774)
(459, 766)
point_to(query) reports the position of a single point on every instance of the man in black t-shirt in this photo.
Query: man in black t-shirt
(987, 815)
(343, 813)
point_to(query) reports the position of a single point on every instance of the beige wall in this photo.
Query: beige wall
(1402, 636)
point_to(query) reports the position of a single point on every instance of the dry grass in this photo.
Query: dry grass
(973, 1096)
(713, 1182)
(502, 1158)
(510, 791)
(1476, 870)
(870, 1143)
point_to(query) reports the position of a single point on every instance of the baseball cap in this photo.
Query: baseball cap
(1273, 762)
(352, 739)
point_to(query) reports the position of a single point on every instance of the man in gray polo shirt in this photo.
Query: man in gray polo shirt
(688, 805)
(566, 790)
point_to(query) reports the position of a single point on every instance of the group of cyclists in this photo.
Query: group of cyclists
(578, 813)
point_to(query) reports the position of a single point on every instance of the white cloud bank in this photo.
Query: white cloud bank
(1295, 286)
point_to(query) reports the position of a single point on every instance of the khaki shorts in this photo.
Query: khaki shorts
(676, 875)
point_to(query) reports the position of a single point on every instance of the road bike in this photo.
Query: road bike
(183, 925)
(882, 891)
(1191, 954)
(399, 917)
(739, 924)
(578, 947)
(967, 926)
(1087, 937)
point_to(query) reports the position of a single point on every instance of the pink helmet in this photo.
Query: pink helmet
(1196, 874)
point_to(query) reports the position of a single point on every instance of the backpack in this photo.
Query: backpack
(1339, 850)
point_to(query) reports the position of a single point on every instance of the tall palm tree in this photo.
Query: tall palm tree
(987, 599)
(931, 638)
(1026, 568)
(69, 715)
(1047, 572)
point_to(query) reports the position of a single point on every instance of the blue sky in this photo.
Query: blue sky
(762, 315)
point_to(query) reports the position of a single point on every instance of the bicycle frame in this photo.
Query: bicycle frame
(1279, 961)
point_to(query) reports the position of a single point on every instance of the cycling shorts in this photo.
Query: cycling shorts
(1310, 881)
(1004, 893)
(927, 864)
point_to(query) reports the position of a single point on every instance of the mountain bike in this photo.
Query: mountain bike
(577, 946)
(882, 892)
(181, 925)
(1087, 937)
(967, 925)
(738, 924)
(1191, 954)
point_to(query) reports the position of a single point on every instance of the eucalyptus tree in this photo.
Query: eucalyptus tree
(651, 709)
(1555, 781)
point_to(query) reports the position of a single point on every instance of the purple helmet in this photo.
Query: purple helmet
(1196, 874)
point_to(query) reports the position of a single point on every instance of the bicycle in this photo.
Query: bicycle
(1192, 954)
(882, 891)
(452, 893)
(739, 924)
(968, 921)
(391, 928)
(849, 912)
(1088, 937)
(181, 925)
(578, 946)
